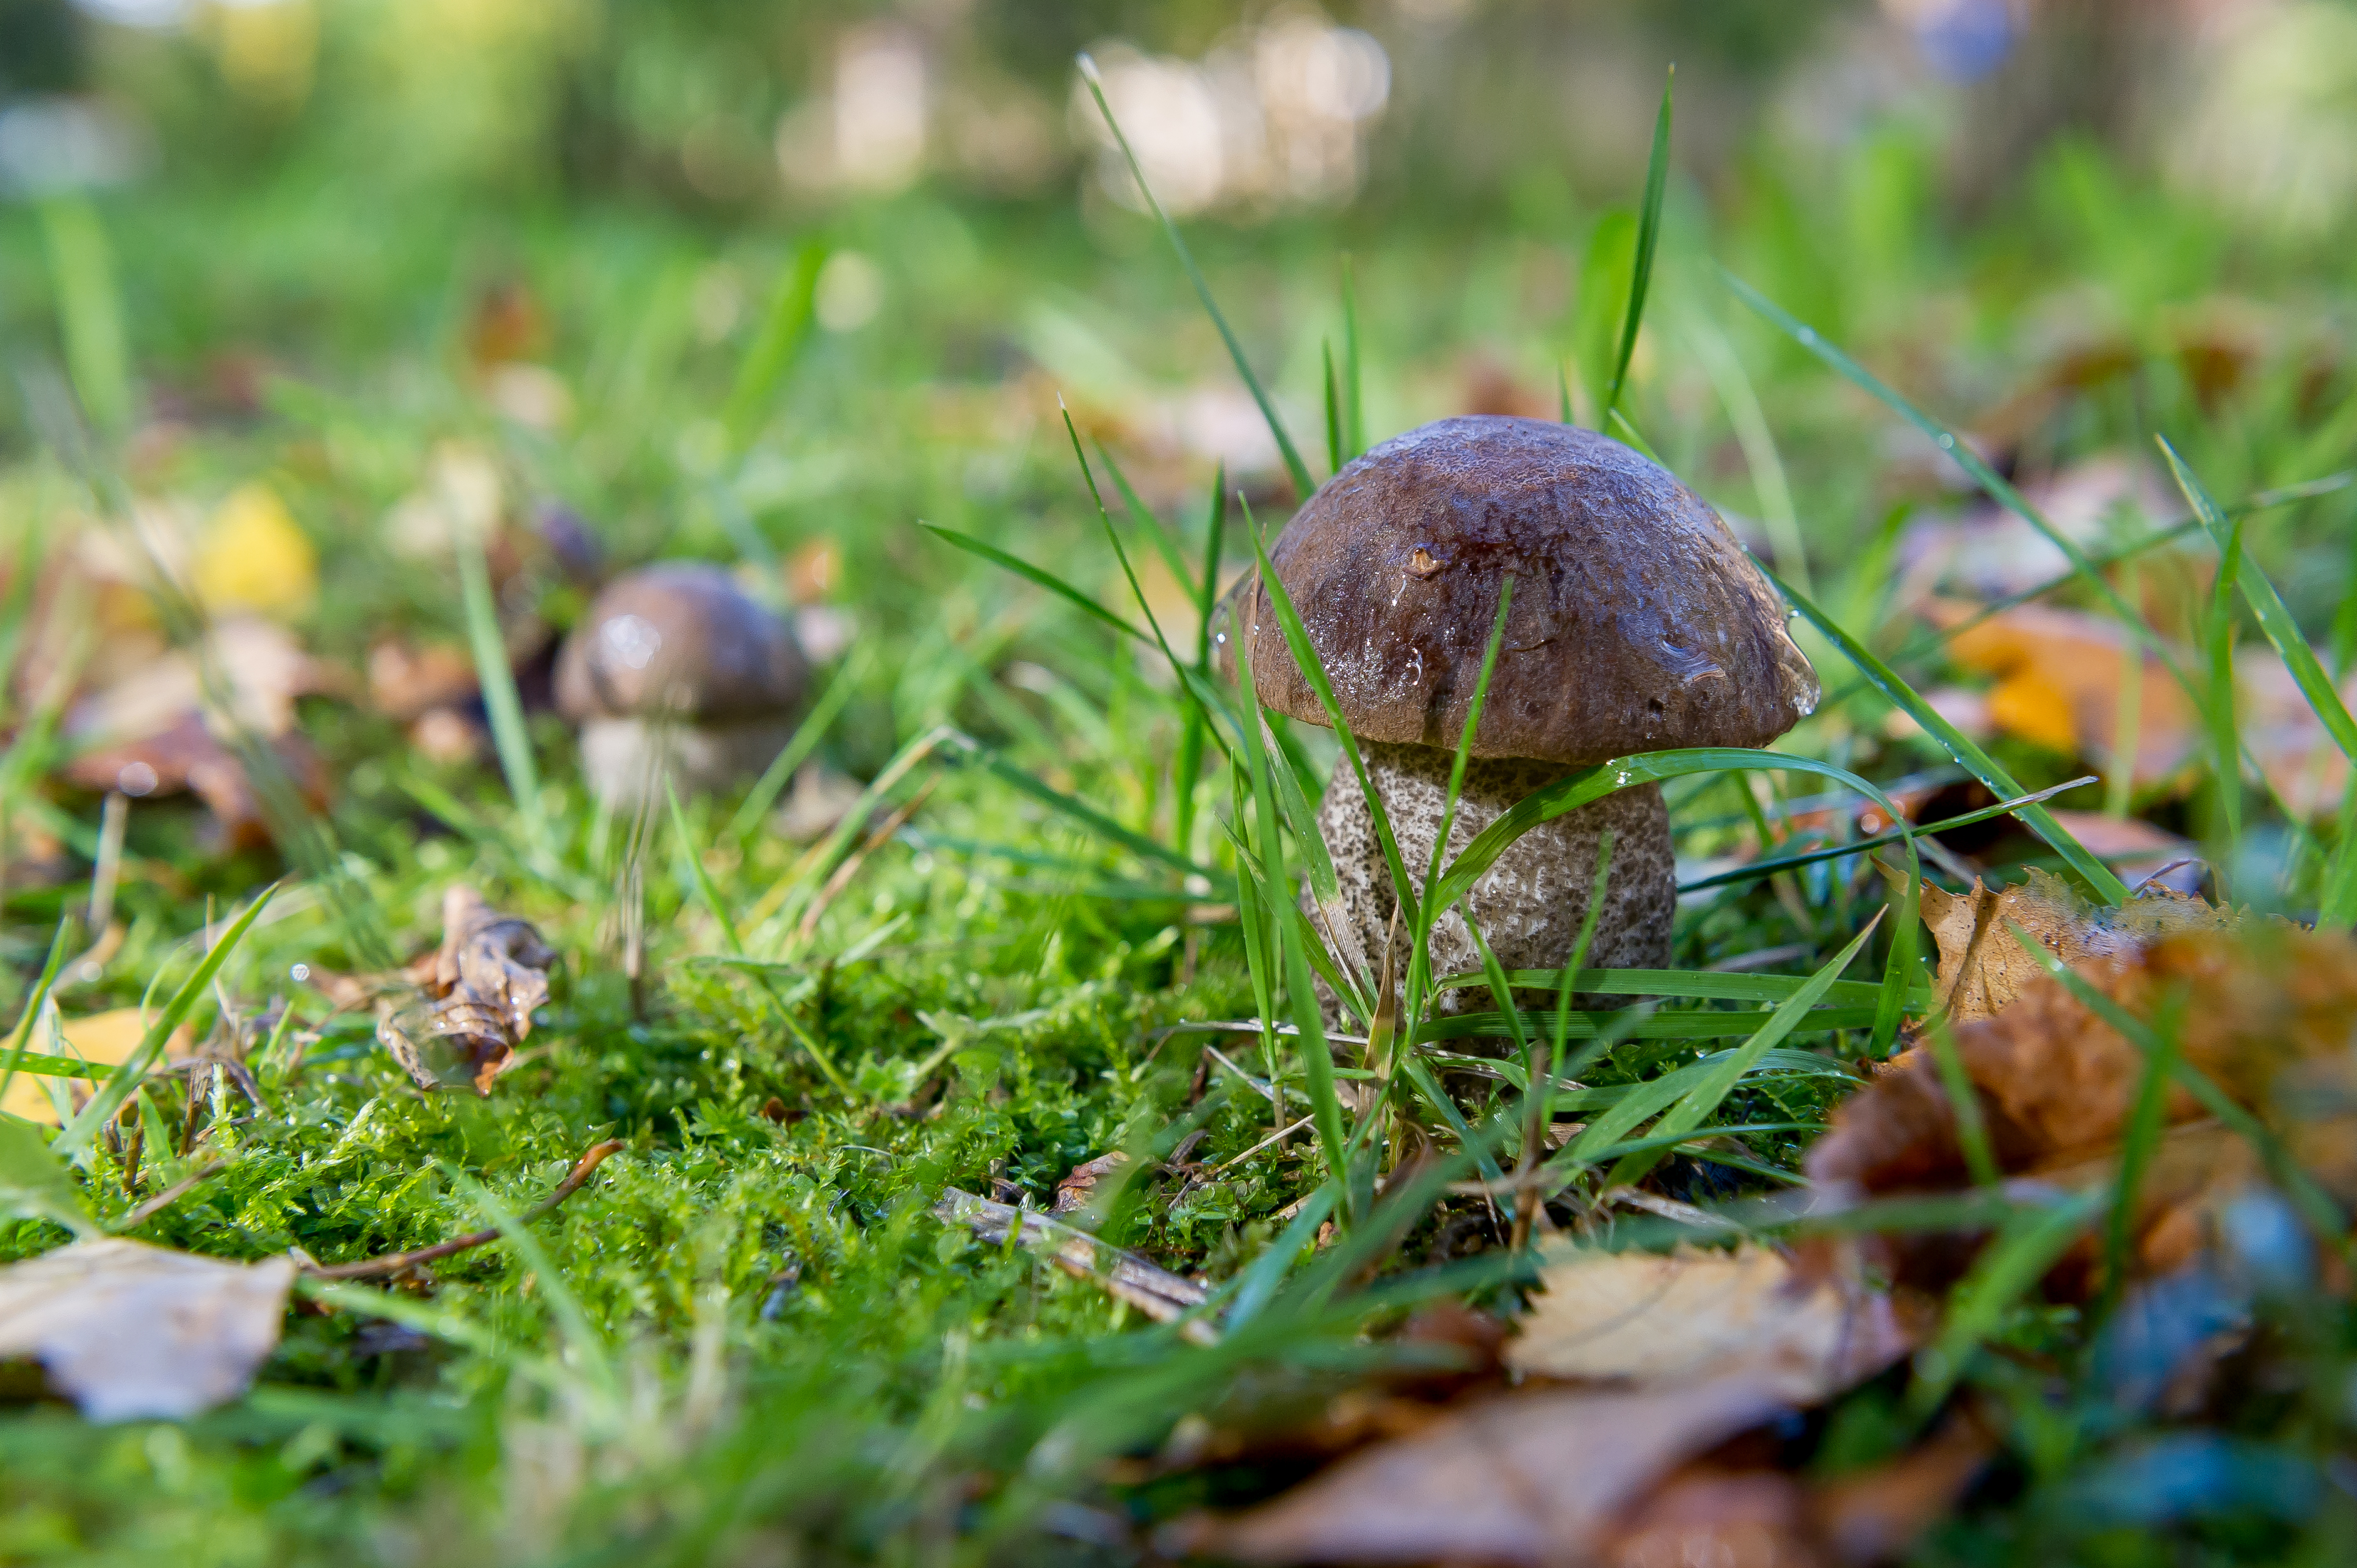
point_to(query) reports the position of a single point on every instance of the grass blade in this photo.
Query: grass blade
(1293, 466)
(22, 1034)
(1987, 477)
(1964, 1106)
(703, 878)
(1036, 575)
(805, 740)
(2098, 875)
(90, 312)
(1333, 411)
(2218, 642)
(1702, 1101)
(1752, 871)
(1313, 669)
(1120, 551)
(2268, 606)
(1164, 545)
(2147, 1119)
(119, 1084)
(1187, 767)
(2026, 1247)
(783, 327)
(1649, 239)
(509, 735)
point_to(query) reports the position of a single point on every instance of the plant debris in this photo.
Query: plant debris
(480, 986)
(129, 1331)
(1154, 1291)
(1983, 967)
(1691, 1317)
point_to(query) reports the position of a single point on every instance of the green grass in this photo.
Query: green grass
(747, 1332)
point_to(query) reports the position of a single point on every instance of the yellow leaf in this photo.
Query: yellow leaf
(254, 557)
(2029, 705)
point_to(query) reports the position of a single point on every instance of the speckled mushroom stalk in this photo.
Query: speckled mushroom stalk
(1637, 624)
(676, 672)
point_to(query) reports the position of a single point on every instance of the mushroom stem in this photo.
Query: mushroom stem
(626, 759)
(1531, 903)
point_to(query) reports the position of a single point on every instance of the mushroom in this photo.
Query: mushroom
(1637, 624)
(674, 669)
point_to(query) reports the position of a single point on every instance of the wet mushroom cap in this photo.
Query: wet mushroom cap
(1638, 622)
(682, 640)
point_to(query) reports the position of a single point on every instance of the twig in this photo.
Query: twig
(168, 1196)
(369, 1267)
(1277, 1137)
(1156, 1292)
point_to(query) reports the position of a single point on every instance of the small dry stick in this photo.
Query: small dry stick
(369, 1267)
(168, 1196)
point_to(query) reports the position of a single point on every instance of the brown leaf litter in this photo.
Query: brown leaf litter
(2262, 1008)
(479, 990)
(1667, 1359)
(132, 1332)
(1983, 967)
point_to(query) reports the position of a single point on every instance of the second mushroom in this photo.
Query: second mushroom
(1637, 624)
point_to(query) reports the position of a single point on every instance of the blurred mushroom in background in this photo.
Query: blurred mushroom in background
(676, 672)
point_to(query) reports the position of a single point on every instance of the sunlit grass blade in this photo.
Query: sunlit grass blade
(1293, 466)
(2028, 1245)
(1964, 1104)
(1702, 1101)
(1079, 811)
(1267, 1272)
(1465, 738)
(1313, 669)
(90, 312)
(119, 1084)
(1187, 767)
(1038, 576)
(799, 747)
(2268, 607)
(1987, 477)
(1120, 551)
(1649, 239)
(1592, 784)
(1752, 871)
(1316, 1057)
(1164, 545)
(783, 327)
(1778, 516)
(60, 946)
(2098, 876)
(2218, 644)
(508, 735)
(703, 878)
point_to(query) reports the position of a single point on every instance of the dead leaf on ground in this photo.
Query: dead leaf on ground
(1076, 1190)
(1690, 1316)
(480, 989)
(186, 755)
(2058, 675)
(1983, 967)
(2263, 1010)
(131, 1332)
(403, 682)
(1532, 1480)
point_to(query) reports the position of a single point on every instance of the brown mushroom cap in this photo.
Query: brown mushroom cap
(1638, 622)
(683, 640)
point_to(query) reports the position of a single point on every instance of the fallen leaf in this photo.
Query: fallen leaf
(1689, 1316)
(1875, 1515)
(1074, 1192)
(1529, 1480)
(404, 682)
(105, 1039)
(481, 988)
(2263, 1010)
(1983, 969)
(1728, 1518)
(132, 1332)
(2058, 675)
(253, 556)
(186, 756)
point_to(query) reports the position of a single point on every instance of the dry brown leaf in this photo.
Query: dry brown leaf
(1983, 967)
(1691, 1317)
(481, 988)
(1875, 1514)
(1726, 1519)
(1531, 1479)
(185, 756)
(1075, 1191)
(130, 1331)
(2264, 1011)
(2058, 675)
